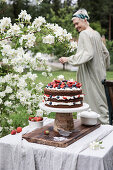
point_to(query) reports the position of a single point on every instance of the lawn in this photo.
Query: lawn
(67, 74)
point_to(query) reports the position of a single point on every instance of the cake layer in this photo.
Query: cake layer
(61, 92)
(66, 101)
(65, 106)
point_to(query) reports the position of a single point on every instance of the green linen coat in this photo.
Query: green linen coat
(93, 58)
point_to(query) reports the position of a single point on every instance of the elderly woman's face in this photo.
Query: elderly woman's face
(80, 24)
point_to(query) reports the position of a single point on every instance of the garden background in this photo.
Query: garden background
(54, 12)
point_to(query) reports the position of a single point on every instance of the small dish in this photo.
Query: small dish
(37, 124)
(89, 117)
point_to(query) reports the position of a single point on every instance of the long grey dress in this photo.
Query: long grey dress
(93, 58)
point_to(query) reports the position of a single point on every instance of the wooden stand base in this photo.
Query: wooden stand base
(64, 121)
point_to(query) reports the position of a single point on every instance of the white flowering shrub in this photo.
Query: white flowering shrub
(22, 50)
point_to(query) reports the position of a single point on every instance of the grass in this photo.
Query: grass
(68, 75)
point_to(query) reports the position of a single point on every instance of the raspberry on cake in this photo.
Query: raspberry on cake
(63, 94)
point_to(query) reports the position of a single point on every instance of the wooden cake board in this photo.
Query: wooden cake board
(38, 136)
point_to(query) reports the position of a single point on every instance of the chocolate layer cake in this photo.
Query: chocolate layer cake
(63, 94)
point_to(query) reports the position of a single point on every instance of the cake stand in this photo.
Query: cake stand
(64, 117)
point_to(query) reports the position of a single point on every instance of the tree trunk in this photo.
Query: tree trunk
(109, 37)
(64, 66)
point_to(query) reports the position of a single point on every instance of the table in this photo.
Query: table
(18, 154)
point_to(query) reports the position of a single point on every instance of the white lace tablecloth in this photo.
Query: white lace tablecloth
(18, 154)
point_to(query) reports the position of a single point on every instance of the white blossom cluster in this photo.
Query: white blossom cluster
(96, 145)
(29, 40)
(49, 39)
(59, 32)
(14, 30)
(24, 16)
(19, 87)
(73, 46)
(39, 1)
(4, 23)
(19, 84)
(38, 22)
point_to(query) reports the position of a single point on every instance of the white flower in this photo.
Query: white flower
(12, 97)
(39, 1)
(50, 74)
(71, 80)
(4, 23)
(18, 69)
(15, 30)
(38, 22)
(5, 60)
(68, 36)
(8, 103)
(6, 49)
(39, 112)
(10, 121)
(1, 129)
(28, 17)
(96, 145)
(49, 39)
(48, 69)
(73, 45)
(60, 77)
(23, 14)
(44, 74)
(2, 94)
(0, 100)
(30, 40)
(8, 89)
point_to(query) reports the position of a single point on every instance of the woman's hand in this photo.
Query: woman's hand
(63, 60)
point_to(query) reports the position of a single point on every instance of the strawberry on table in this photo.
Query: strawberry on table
(13, 132)
(46, 132)
(19, 129)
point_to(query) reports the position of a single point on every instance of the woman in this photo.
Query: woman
(93, 58)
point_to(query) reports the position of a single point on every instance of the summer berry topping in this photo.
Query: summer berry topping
(78, 95)
(35, 119)
(52, 83)
(48, 84)
(62, 83)
(13, 132)
(62, 86)
(69, 85)
(47, 95)
(39, 118)
(55, 85)
(30, 118)
(64, 80)
(64, 97)
(46, 132)
(50, 96)
(19, 129)
(78, 85)
(57, 81)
